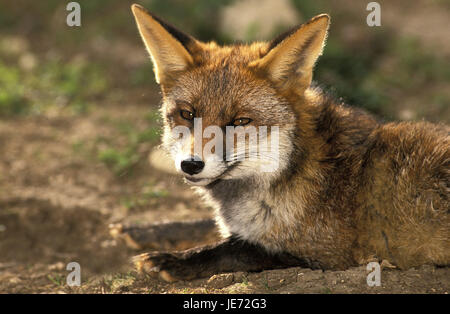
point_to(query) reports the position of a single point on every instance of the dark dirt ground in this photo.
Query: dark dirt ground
(57, 199)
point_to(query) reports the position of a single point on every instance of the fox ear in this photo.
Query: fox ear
(167, 46)
(290, 59)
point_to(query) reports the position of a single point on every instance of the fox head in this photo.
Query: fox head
(209, 88)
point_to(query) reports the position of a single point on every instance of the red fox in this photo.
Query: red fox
(346, 188)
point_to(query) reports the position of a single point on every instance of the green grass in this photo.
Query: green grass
(265, 283)
(351, 71)
(122, 158)
(244, 281)
(418, 67)
(57, 279)
(77, 83)
(120, 162)
(122, 147)
(355, 72)
(148, 195)
(73, 86)
(119, 282)
(361, 80)
(13, 99)
(326, 290)
(142, 75)
(412, 72)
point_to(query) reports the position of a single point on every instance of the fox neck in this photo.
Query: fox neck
(250, 207)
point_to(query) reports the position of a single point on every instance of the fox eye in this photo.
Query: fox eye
(187, 115)
(241, 121)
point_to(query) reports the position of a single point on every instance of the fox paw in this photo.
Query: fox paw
(165, 266)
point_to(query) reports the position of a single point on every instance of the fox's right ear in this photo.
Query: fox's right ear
(167, 46)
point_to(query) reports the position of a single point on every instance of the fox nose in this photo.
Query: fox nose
(192, 166)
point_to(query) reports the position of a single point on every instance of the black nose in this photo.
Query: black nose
(192, 166)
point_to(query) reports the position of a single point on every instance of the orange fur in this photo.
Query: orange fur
(352, 188)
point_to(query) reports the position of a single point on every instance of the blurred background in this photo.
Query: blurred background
(79, 112)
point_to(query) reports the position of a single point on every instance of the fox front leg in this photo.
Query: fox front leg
(229, 255)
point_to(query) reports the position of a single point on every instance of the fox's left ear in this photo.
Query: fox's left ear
(290, 59)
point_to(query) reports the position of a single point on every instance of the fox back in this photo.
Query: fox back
(345, 188)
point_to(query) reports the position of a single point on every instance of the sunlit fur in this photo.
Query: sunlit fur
(348, 188)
